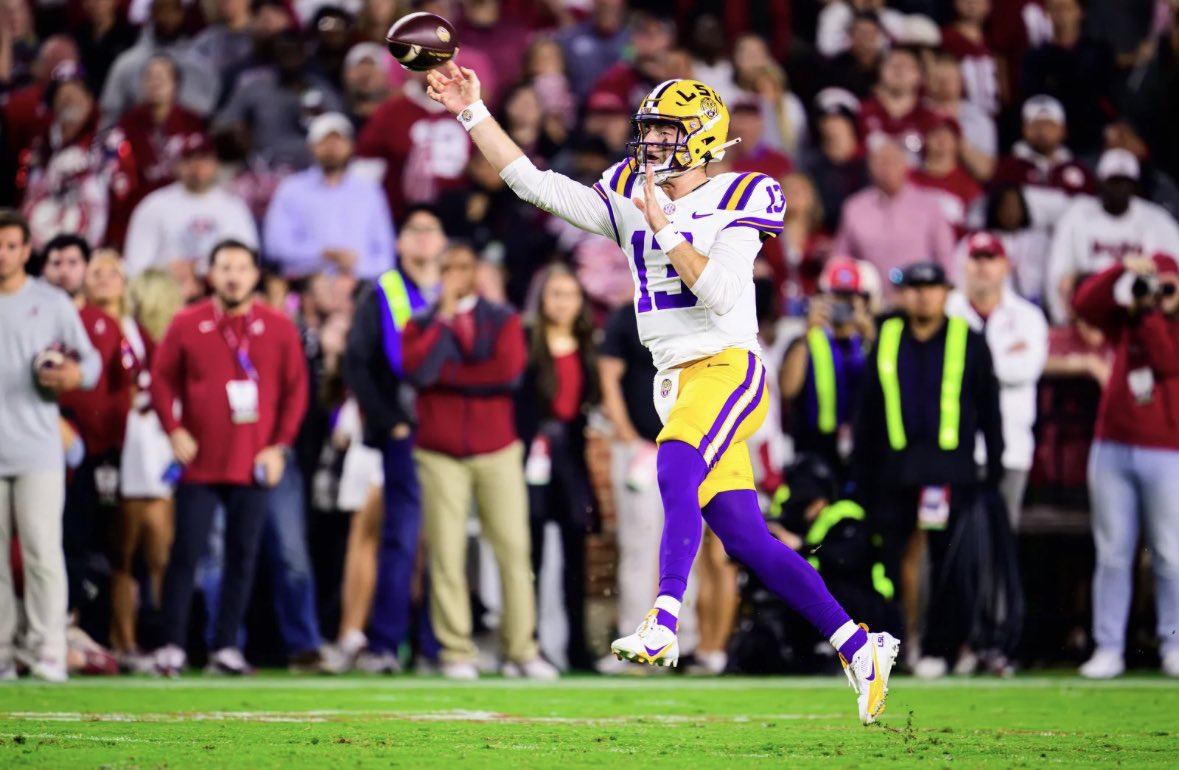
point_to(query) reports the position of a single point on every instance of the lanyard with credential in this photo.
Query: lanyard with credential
(240, 348)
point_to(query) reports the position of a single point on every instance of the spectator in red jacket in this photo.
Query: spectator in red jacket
(1134, 465)
(895, 108)
(466, 355)
(943, 174)
(237, 369)
(97, 413)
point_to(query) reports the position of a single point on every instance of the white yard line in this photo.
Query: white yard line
(77, 737)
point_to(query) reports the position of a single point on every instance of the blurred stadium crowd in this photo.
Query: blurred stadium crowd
(290, 479)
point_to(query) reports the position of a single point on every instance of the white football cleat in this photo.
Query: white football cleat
(653, 643)
(1105, 664)
(868, 673)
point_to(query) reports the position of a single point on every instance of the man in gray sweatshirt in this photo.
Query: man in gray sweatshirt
(35, 317)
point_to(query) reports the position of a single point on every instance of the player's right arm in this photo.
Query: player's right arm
(458, 90)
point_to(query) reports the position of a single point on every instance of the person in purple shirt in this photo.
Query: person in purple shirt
(894, 223)
(326, 219)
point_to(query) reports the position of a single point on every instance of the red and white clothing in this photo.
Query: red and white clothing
(908, 129)
(99, 413)
(980, 73)
(957, 193)
(156, 148)
(424, 148)
(1049, 181)
(195, 365)
(1088, 240)
(69, 186)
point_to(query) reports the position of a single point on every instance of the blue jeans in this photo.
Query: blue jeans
(398, 550)
(285, 543)
(1128, 484)
(284, 540)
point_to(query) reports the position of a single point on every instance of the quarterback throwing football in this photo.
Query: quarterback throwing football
(691, 239)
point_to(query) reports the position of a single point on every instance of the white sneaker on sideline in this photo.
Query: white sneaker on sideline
(460, 671)
(966, 664)
(371, 662)
(1171, 663)
(170, 660)
(1105, 664)
(230, 661)
(7, 672)
(50, 671)
(538, 668)
(930, 668)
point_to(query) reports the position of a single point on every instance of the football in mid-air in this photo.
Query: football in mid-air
(422, 41)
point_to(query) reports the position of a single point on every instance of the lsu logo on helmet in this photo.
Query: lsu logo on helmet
(702, 121)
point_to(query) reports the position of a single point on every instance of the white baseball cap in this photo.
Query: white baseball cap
(1043, 107)
(1117, 162)
(365, 51)
(327, 124)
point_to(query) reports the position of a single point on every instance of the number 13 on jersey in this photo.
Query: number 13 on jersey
(640, 242)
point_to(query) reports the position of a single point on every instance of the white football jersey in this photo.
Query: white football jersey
(726, 218)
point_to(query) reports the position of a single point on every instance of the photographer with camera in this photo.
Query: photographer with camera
(1134, 465)
(822, 370)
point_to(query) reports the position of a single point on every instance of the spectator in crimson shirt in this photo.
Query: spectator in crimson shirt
(941, 173)
(1041, 160)
(466, 356)
(425, 150)
(895, 108)
(1134, 465)
(237, 369)
(155, 128)
(484, 28)
(965, 40)
(97, 413)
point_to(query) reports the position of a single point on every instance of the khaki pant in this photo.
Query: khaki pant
(496, 480)
(34, 502)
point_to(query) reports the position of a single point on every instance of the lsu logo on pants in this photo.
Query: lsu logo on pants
(665, 387)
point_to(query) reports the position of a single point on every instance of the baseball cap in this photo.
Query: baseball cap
(1043, 107)
(983, 242)
(196, 144)
(1165, 264)
(841, 275)
(837, 101)
(745, 101)
(1117, 162)
(364, 52)
(921, 274)
(606, 101)
(322, 126)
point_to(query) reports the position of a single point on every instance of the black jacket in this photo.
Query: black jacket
(922, 462)
(384, 399)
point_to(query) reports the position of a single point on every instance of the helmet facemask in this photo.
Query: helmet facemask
(679, 158)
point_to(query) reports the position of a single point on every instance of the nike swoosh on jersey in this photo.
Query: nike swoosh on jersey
(698, 215)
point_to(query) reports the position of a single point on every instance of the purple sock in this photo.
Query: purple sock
(735, 518)
(849, 648)
(681, 470)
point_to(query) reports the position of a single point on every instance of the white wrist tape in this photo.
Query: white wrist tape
(669, 238)
(471, 116)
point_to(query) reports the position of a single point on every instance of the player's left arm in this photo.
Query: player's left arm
(719, 278)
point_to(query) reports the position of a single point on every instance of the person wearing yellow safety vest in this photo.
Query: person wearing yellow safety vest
(374, 373)
(809, 514)
(929, 390)
(822, 371)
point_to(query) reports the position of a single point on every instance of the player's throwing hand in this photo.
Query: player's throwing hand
(455, 90)
(650, 207)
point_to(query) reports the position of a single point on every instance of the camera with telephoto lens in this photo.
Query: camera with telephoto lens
(1149, 285)
(842, 311)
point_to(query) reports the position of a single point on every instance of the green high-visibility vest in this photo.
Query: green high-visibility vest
(823, 364)
(396, 297)
(828, 518)
(953, 368)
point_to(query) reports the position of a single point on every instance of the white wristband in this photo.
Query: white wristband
(669, 238)
(471, 116)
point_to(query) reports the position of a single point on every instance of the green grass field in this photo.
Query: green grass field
(278, 721)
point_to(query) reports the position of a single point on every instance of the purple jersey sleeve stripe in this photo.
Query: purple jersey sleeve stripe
(618, 175)
(724, 202)
(609, 210)
(765, 225)
(749, 191)
(710, 436)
